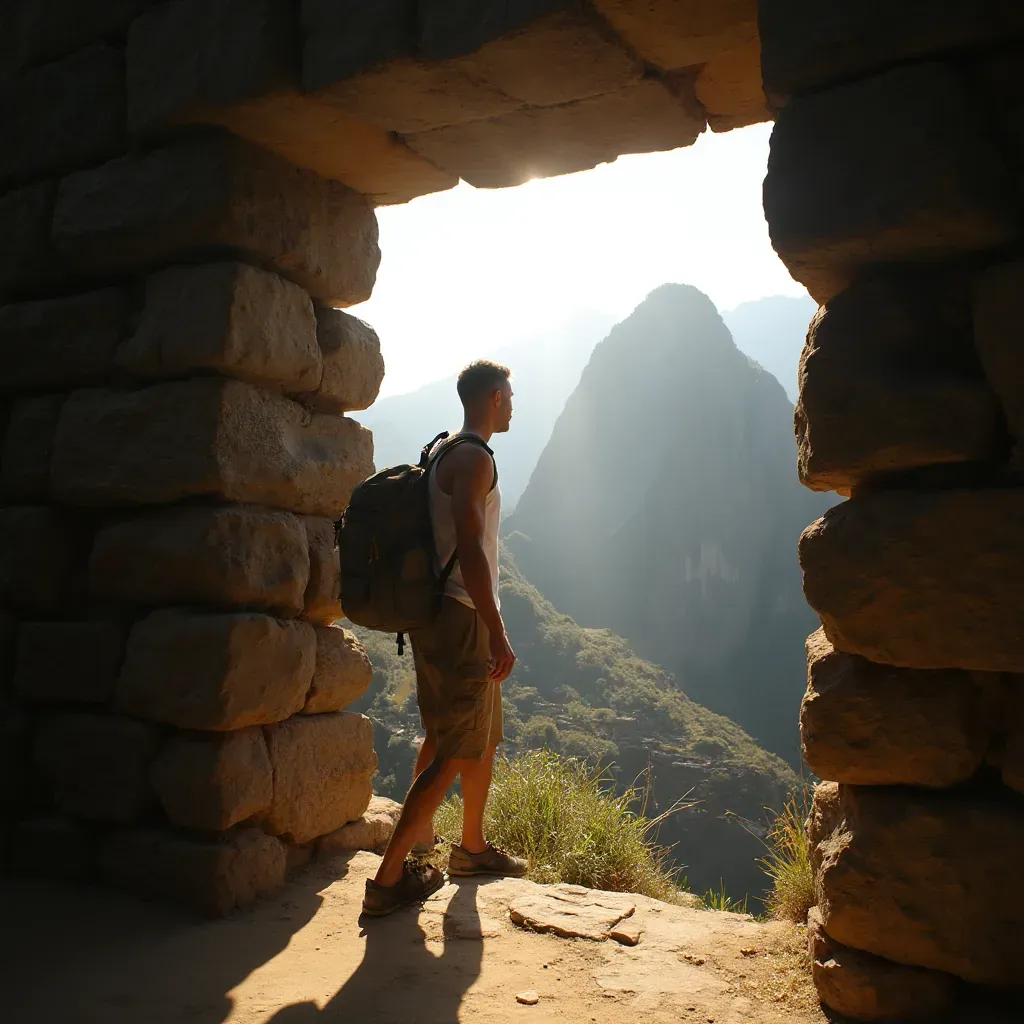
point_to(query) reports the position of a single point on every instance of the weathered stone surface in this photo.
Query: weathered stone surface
(323, 770)
(831, 197)
(63, 116)
(28, 445)
(97, 765)
(923, 580)
(999, 340)
(572, 911)
(216, 672)
(340, 40)
(214, 782)
(206, 437)
(208, 191)
(865, 987)
(808, 45)
(450, 28)
(52, 846)
(729, 84)
(875, 725)
(353, 366)
(343, 671)
(68, 661)
(678, 35)
(27, 258)
(901, 876)
(214, 876)
(36, 558)
(188, 56)
(371, 832)
(323, 594)
(511, 149)
(54, 27)
(61, 343)
(232, 557)
(889, 382)
(228, 317)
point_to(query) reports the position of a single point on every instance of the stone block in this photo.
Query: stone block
(211, 191)
(216, 672)
(999, 340)
(19, 781)
(729, 84)
(214, 876)
(831, 197)
(353, 366)
(323, 593)
(28, 445)
(207, 437)
(807, 45)
(929, 580)
(53, 847)
(1011, 757)
(28, 260)
(889, 383)
(36, 557)
(98, 765)
(75, 662)
(53, 28)
(61, 343)
(227, 317)
(298, 855)
(371, 832)
(672, 35)
(926, 880)
(875, 725)
(531, 142)
(323, 770)
(865, 987)
(343, 671)
(186, 57)
(450, 28)
(213, 782)
(231, 557)
(63, 116)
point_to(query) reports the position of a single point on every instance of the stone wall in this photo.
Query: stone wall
(894, 193)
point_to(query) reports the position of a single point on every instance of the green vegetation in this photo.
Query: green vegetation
(788, 862)
(564, 816)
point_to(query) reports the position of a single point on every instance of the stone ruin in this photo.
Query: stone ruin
(188, 193)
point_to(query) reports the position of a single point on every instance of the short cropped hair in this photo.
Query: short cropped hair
(481, 378)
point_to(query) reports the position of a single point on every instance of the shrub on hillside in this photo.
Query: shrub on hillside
(788, 862)
(564, 817)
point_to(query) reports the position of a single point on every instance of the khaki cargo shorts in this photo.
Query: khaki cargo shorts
(458, 703)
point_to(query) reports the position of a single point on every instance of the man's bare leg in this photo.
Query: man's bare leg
(476, 784)
(422, 801)
(428, 748)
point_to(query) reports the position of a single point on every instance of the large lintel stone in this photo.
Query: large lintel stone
(63, 116)
(901, 875)
(208, 193)
(893, 168)
(206, 437)
(229, 317)
(216, 672)
(235, 556)
(929, 579)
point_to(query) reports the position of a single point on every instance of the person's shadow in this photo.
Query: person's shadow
(399, 979)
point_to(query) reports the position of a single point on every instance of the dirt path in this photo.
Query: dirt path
(90, 957)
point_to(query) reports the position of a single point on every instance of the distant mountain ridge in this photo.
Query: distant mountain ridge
(666, 507)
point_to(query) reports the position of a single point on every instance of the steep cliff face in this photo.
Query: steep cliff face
(666, 507)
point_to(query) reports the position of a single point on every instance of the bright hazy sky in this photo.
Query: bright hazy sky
(468, 271)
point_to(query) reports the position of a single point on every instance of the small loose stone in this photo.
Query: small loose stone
(529, 998)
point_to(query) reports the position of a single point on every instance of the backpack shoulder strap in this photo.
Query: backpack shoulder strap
(453, 442)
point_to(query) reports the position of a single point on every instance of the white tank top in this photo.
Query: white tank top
(444, 535)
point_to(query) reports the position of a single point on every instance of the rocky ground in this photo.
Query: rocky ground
(303, 957)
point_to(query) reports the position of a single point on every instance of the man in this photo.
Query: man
(461, 658)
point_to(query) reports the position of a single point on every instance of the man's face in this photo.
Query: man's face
(503, 408)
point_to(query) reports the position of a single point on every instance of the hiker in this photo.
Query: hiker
(461, 658)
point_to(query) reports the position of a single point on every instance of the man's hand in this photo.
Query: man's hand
(502, 656)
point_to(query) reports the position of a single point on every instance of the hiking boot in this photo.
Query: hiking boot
(490, 861)
(418, 881)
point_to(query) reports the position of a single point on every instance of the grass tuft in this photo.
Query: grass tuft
(562, 814)
(788, 861)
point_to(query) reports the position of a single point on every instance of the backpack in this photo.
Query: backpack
(385, 542)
